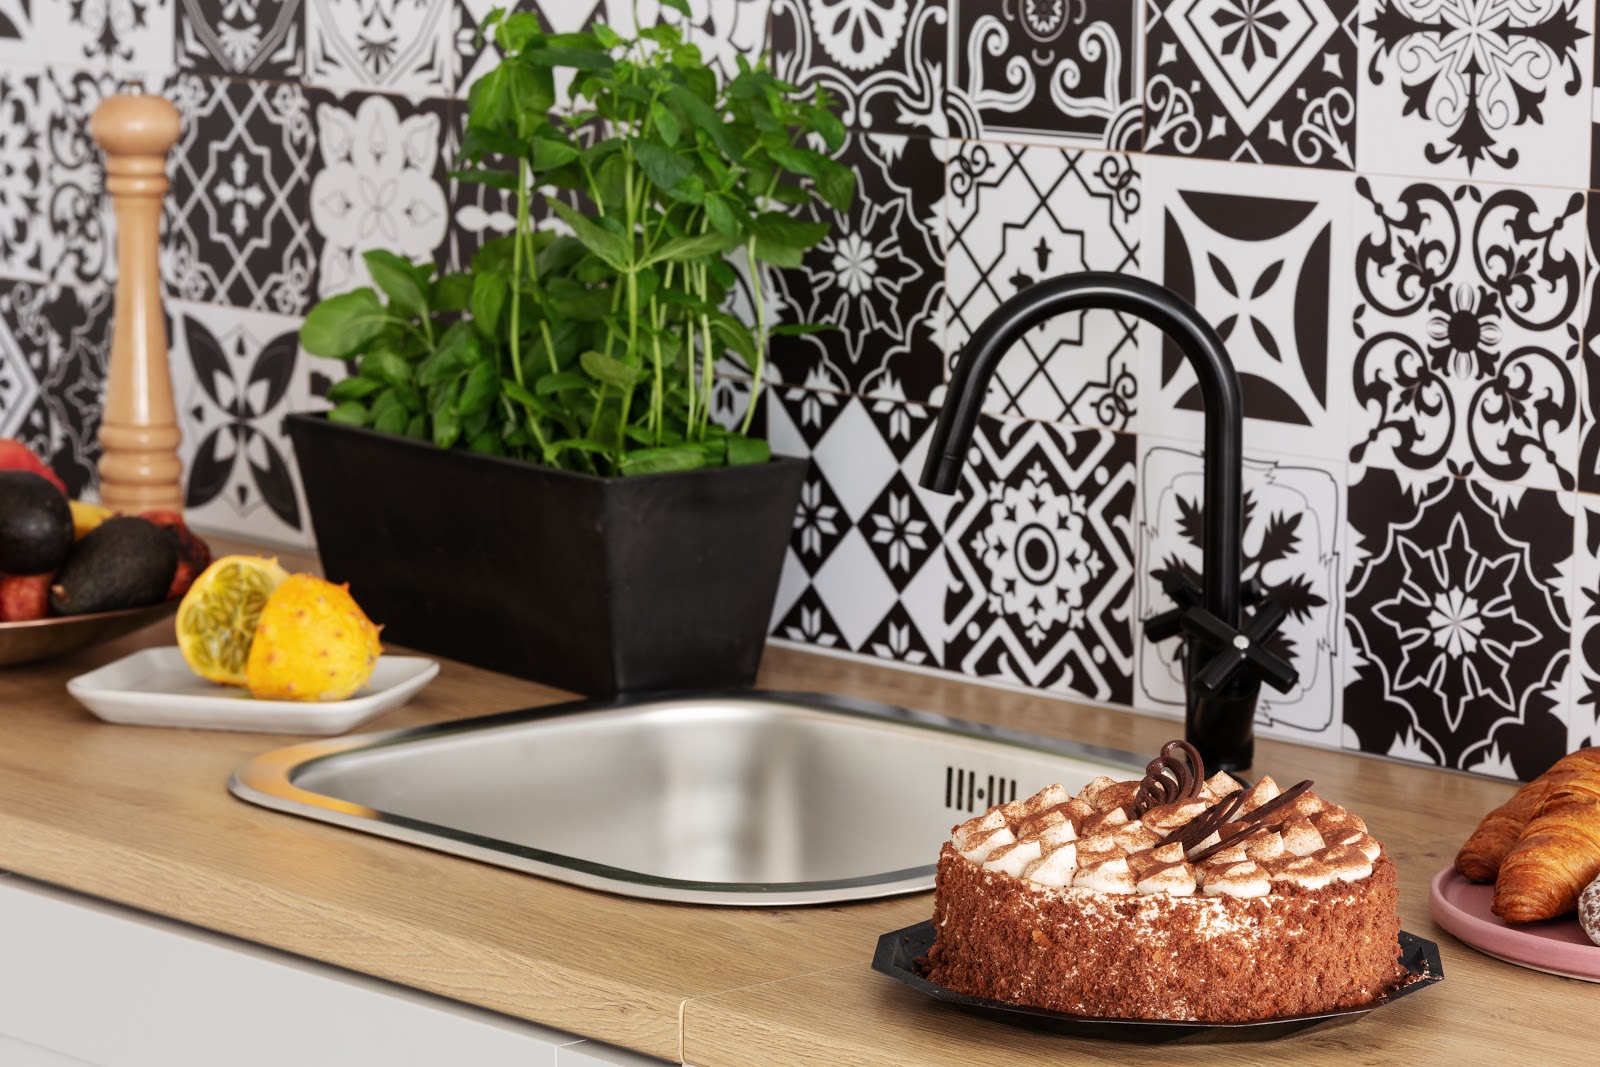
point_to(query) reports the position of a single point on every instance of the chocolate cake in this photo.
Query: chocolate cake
(1170, 898)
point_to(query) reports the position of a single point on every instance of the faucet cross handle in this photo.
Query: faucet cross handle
(1182, 590)
(1241, 648)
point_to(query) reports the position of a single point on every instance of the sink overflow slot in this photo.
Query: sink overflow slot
(965, 791)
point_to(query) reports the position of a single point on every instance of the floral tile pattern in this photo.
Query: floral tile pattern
(864, 572)
(1054, 71)
(1458, 620)
(53, 346)
(1018, 215)
(236, 229)
(1266, 268)
(1467, 323)
(259, 38)
(1589, 443)
(1583, 724)
(1268, 81)
(1293, 545)
(236, 374)
(875, 277)
(1459, 88)
(407, 47)
(1041, 557)
(378, 182)
(884, 62)
(129, 37)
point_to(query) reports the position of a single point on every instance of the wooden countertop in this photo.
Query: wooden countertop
(140, 816)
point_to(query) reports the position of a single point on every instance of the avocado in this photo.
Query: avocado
(35, 524)
(124, 562)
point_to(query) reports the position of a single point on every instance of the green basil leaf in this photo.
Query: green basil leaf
(479, 392)
(608, 370)
(350, 413)
(799, 160)
(680, 6)
(661, 460)
(399, 281)
(781, 229)
(450, 292)
(575, 58)
(562, 382)
(614, 249)
(778, 254)
(666, 123)
(664, 167)
(721, 216)
(837, 186)
(387, 366)
(356, 388)
(446, 428)
(685, 248)
(516, 391)
(549, 154)
(499, 179)
(487, 300)
(342, 326)
(746, 450)
(608, 37)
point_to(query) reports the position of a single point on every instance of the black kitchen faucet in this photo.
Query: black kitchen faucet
(1224, 662)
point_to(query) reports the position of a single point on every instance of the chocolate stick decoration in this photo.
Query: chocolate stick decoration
(1168, 779)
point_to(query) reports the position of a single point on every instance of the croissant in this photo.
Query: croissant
(1480, 858)
(1558, 855)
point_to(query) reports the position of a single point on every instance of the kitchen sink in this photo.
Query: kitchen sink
(757, 798)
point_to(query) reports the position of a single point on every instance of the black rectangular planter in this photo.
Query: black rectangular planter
(596, 585)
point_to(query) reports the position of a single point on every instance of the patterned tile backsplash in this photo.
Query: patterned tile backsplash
(1385, 207)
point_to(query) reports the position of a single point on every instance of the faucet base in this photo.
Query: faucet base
(1221, 725)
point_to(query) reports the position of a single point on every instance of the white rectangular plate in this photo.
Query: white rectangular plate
(156, 688)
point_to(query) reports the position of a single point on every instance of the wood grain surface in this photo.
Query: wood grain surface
(141, 816)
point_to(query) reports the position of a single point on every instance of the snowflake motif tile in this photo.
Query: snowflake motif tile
(1040, 549)
(379, 44)
(876, 277)
(1467, 327)
(1021, 214)
(54, 341)
(1589, 441)
(1268, 269)
(256, 38)
(1050, 70)
(378, 181)
(1292, 547)
(235, 375)
(1479, 88)
(1457, 614)
(55, 219)
(236, 230)
(864, 572)
(1268, 81)
(1583, 724)
(884, 62)
(132, 38)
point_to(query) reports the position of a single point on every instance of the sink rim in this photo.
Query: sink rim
(269, 780)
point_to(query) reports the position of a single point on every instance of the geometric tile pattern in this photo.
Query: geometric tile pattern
(263, 39)
(1020, 215)
(1266, 81)
(1458, 621)
(1041, 560)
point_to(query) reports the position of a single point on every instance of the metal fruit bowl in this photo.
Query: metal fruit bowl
(29, 642)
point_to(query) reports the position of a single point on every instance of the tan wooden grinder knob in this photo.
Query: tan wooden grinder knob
(139, 467)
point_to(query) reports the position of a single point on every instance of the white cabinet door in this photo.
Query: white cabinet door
(87, 984)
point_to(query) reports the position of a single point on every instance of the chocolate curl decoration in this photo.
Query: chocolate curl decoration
(1168, 779)
(1214, 818)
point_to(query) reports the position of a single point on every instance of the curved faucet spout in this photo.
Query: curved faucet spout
(1173, 316)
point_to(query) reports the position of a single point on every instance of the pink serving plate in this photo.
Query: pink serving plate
(1558, 946)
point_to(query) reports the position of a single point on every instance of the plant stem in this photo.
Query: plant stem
(761, 335)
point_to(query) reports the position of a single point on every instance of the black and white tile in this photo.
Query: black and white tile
(1263, 253)
(235, 375)
(236, 216)
(55, 219)
(1467, 326)
(1048, 70)
(1583, 712)
(132, 38)
(1266, 81)
(253, 38)
(865, 571)
(876, 279)
(1018, 215)
(884, 62)
(1292, 547)
(1589, 437)
(1041, 558)
(1457, 613)
(1459, 88)
(378, 181)
(395, 47)
(53, 348)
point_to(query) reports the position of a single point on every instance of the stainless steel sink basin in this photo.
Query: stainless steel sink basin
(752, 799)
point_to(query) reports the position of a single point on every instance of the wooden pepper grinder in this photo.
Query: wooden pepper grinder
(139, 467)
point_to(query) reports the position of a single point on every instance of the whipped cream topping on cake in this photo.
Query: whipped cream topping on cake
(1101, 840)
